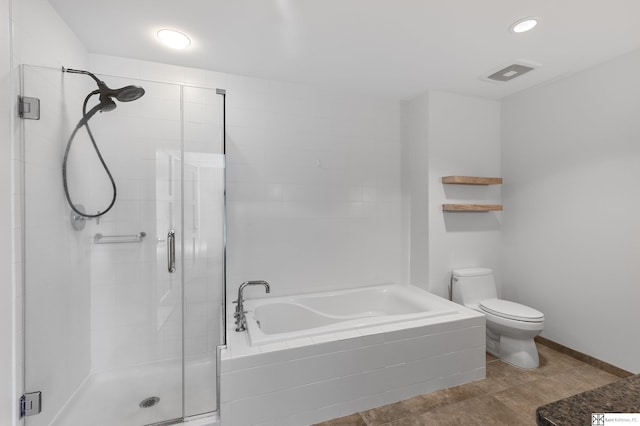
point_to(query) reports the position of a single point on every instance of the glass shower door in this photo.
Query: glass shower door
(104, 314)
(204, 218)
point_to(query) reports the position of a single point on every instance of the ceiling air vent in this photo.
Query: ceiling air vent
(509, 72)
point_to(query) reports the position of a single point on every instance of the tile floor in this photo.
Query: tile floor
(508, 396)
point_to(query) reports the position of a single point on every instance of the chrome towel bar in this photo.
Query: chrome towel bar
(115, 239)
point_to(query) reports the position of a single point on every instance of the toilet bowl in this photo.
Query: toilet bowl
(511, 326)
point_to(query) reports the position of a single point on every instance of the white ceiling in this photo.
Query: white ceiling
(388, 48)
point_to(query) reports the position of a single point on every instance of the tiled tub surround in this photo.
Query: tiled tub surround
(316, 378)
(508, 396)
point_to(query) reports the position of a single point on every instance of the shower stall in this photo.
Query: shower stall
(123, 311)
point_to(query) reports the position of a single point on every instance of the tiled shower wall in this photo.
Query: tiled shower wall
(313, 181)
(313, 188)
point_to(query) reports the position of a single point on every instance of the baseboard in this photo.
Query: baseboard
(587, 359)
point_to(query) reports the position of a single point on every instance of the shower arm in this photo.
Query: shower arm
(97, 80)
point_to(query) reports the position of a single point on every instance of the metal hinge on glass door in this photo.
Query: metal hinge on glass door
(29, 108)
(30, 404)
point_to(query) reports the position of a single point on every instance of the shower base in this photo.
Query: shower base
(113, 397)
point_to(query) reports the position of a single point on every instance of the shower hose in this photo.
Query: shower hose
(84, 122)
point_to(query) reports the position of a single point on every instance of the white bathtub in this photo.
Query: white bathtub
(286, 318)
(310, 358)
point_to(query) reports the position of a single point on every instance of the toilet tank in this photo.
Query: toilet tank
(472, 285)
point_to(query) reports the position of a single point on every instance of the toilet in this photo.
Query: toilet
(511, 326)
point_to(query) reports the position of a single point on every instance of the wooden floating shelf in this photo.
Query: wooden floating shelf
(471, 180)
(471, 207)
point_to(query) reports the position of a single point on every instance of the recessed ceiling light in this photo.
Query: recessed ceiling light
(173, 39)
(524, 25)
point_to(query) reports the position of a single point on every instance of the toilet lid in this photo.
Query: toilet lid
(511, 310)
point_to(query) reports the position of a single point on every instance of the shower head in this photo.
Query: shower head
(124, 94)
(106, 102)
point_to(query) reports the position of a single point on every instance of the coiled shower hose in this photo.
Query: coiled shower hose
(84, 122)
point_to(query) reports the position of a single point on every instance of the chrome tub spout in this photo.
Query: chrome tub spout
(239, 315)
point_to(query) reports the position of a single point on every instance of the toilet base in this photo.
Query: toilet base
(521, 353)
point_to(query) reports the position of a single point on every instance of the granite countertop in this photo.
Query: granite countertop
(622, 396)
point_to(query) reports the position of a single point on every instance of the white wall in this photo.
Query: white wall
(451, 134)
(8, 289)
(571, 238)
(416, 187)
(26, 21)
(314, 188)
(464, 139)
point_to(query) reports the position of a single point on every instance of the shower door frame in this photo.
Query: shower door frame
(21, 178)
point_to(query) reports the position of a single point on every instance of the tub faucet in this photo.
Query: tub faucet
(241, 320)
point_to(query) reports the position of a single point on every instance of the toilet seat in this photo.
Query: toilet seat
(511, 310)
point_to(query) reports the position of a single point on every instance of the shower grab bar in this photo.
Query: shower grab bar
(116, 239)
(171, 251)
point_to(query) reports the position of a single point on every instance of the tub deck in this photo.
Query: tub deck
(279, 319)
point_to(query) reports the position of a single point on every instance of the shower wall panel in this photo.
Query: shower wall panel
(57, 273)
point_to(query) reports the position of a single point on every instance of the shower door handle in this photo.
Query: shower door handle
(171, 251)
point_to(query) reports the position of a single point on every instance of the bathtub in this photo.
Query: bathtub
(305, 359)
(286, 318)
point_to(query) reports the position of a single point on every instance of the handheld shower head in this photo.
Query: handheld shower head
(124, 94)
(129, 93)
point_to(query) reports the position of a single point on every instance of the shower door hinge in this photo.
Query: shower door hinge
(30, 404)
(29, 108)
